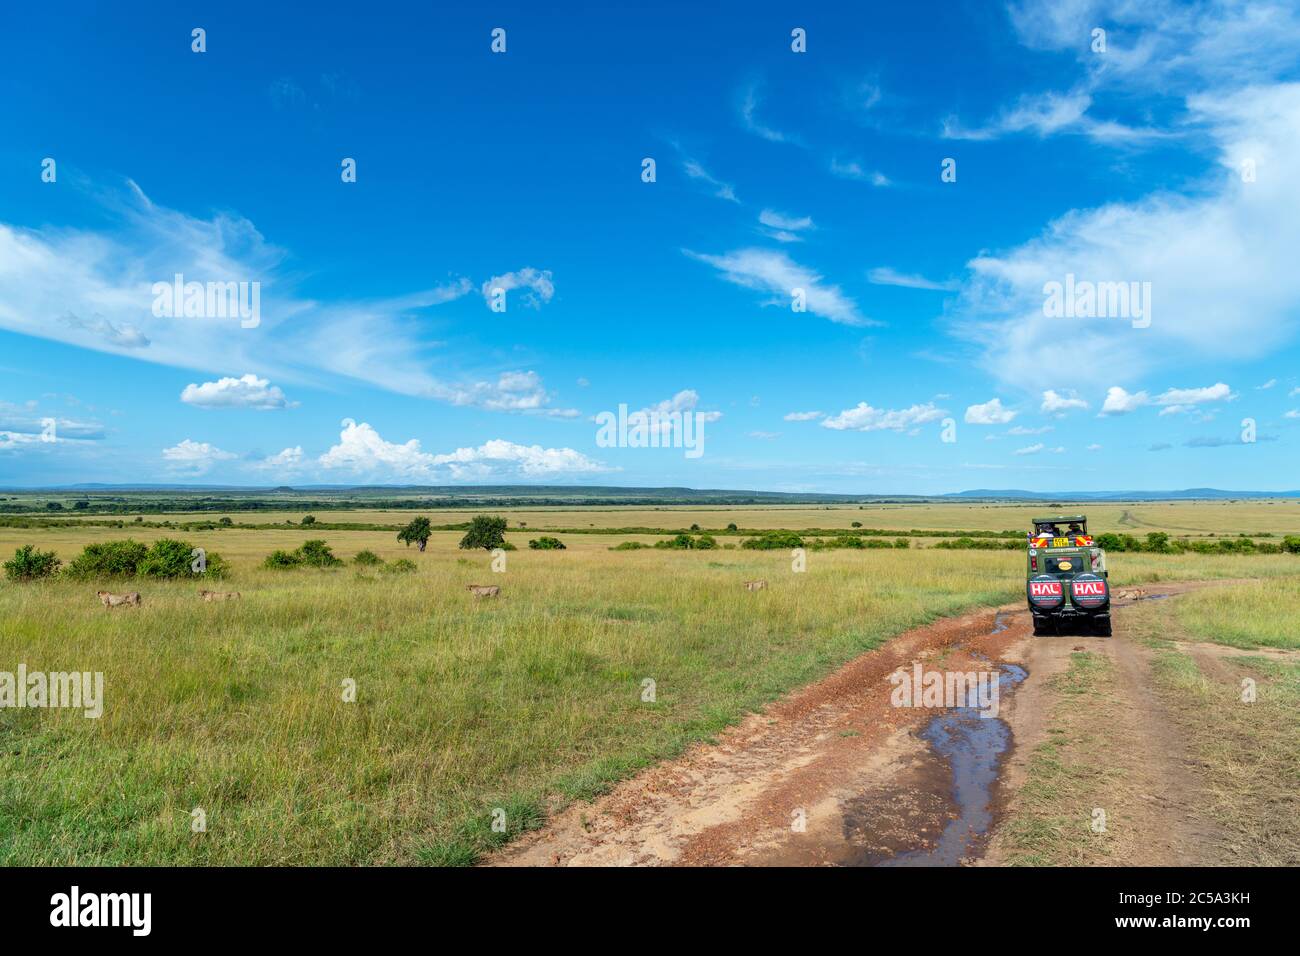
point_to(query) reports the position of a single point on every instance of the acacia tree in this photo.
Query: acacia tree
(485, 531)
(418, 531)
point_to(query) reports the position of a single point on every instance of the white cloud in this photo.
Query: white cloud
(536, 281)
(194, 458)
(1194, 396)
(511, 392)
(777, 274)
(764, 436)
(1022, 430)
(802, 416)
(1269, 384)
(1030, 449)
(1292, 413)
(721, 190)
(887, 276)
(1094, 447)
(1120, 402)
(864, 418)
(784, 228)
(247, 391)
(362, 450)
(1058, 403)
(853, 169)
(1218, 261)
(92, 289)
(749, 103)
(989, 413)
(290, 459)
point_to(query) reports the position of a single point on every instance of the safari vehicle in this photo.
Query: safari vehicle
(1067, 585)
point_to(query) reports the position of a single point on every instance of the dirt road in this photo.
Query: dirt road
(837, 774)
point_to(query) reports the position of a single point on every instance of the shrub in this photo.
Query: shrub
(167, 558)
(486, 532)
(108, 559)
(224, 522)
(902, 542)
(417, 531)
(308, 519)
(630, 546)
(681, 542)
(546, 543)
(317, 554)
(732, 527)
(1291, 544)
(773, 541)
(695, 527)
(281, 559)
(706, 542)
(367, 559)
(856, 524)
(28, 564)
(400, 566)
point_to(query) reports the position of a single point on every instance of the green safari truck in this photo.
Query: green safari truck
(1067, 586)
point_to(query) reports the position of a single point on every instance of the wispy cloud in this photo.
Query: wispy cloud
(884, 275)
(777, 274)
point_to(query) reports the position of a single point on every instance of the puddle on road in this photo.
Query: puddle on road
(972, 746)
(999, 625)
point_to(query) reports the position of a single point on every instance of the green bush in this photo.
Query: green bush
(317, 554)
(368, 559)
(1291, 544)
(167, 558)
(773, 541)
(28, 564)
(546, 543)
(630, 546)
(706, 542)
(902, 542)
(681, 542)
(486, 532)
(108, 559)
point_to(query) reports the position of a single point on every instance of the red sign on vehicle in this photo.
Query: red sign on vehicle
(1089, 589)
(1044, 588)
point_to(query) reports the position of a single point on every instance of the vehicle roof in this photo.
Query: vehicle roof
(1061, 518)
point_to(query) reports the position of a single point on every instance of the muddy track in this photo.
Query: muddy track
(834, 774)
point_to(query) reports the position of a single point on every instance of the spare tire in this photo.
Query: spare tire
(1045, 592)
(1090, 592)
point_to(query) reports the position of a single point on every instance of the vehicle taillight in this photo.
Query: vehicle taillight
(1033, 563)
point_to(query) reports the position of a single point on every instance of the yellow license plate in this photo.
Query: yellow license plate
(1060, 542)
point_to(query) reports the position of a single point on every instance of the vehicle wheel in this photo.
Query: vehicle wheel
(1043, 627)
(1101, 626)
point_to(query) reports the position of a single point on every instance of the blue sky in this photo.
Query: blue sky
(377, 357)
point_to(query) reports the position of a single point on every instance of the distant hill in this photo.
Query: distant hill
(540, 495)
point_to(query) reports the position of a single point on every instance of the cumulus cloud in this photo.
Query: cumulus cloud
(1058, 403)
(989, 413)
(1120, 402)
(290, 459)
(864, 418)
(194, 458)
(537, 282)
(247, 391)
(777, 274)
(362, 450)
(511, 392)
(1178, 400)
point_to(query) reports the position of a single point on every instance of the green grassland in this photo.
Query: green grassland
(462, 706)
